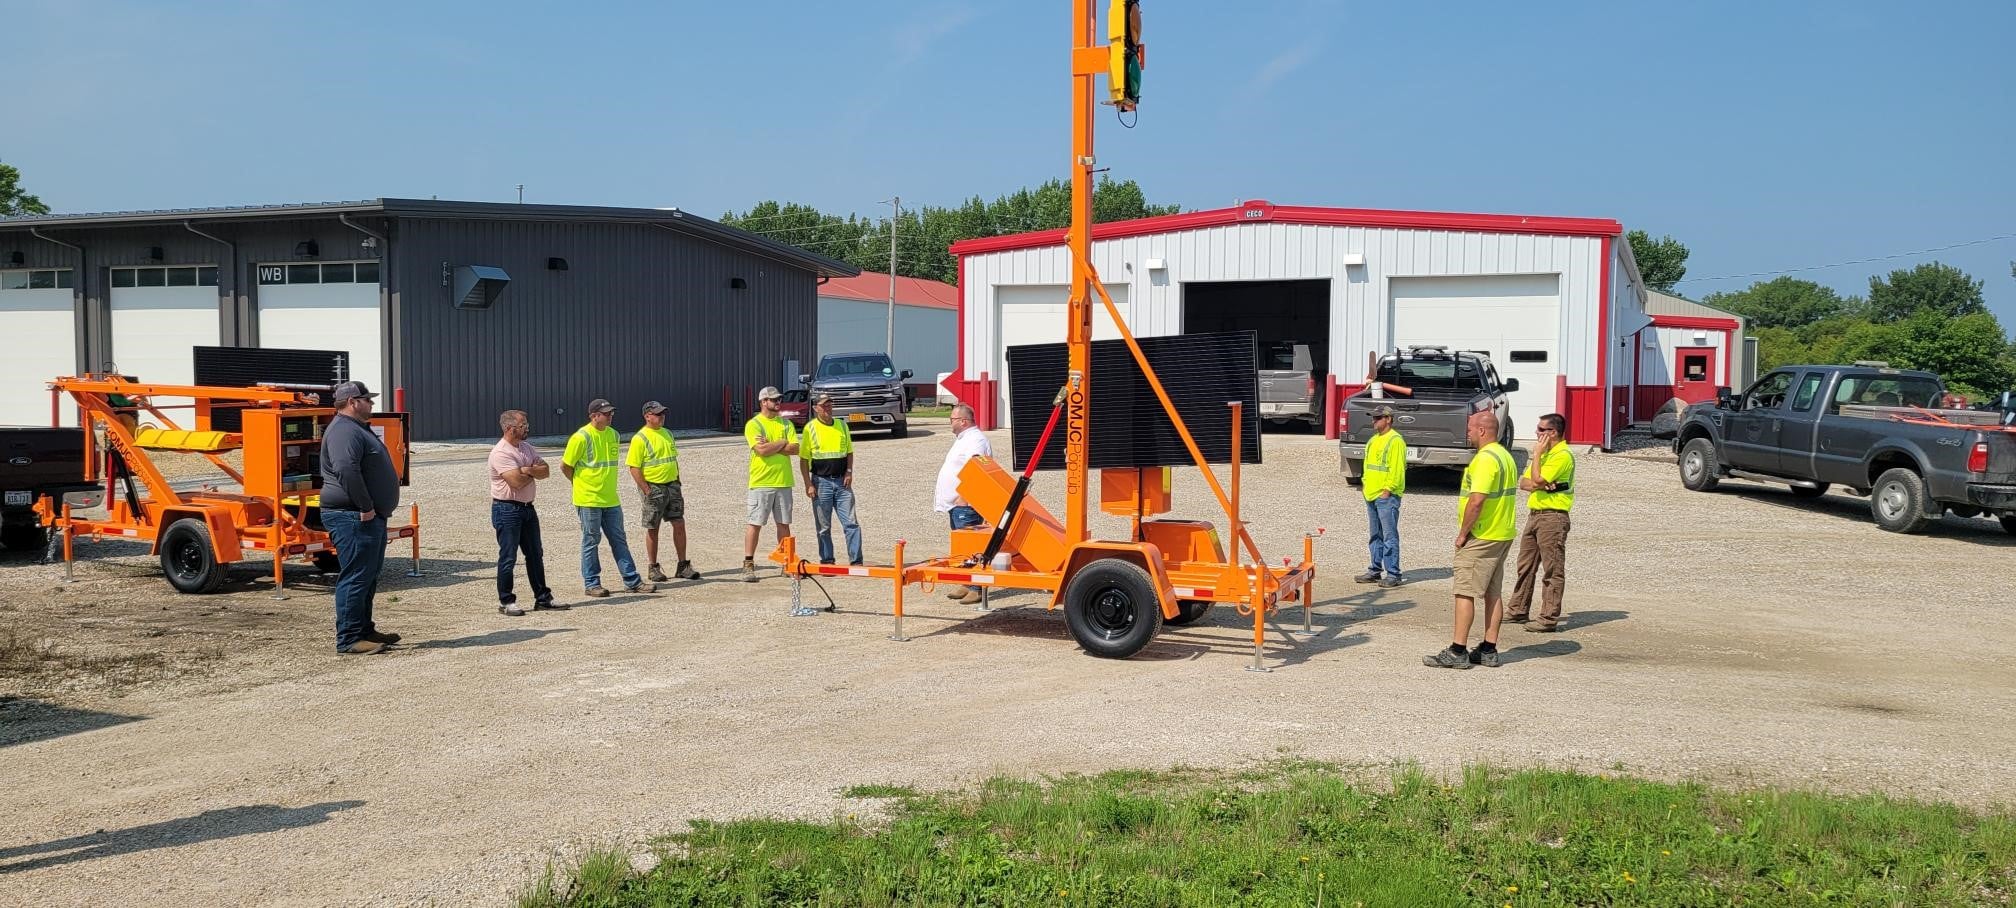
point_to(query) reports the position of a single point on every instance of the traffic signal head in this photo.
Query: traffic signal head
(1125, 54)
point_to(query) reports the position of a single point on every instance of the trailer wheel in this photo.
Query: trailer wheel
(328, 562)
(1698, 470)
(1189, 611)
(1814, 492)
(1898, 501)
(188, 558)
(1111, 609)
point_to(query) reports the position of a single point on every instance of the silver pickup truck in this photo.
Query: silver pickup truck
(867, 391)
(1435, 419)
(1288, 386)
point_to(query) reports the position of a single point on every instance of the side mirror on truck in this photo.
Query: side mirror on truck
(905, 374)
(804, 378)
(1511, 385)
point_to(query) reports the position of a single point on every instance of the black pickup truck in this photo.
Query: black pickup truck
(1871, 429)
(37, 461)
(1435, 419)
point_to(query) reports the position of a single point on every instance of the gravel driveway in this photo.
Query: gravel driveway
(213, 750)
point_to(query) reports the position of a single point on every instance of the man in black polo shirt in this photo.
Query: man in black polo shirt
(359, 489)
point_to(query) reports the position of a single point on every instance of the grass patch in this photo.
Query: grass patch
(933, 410)
(879, 791)
(1306, 834)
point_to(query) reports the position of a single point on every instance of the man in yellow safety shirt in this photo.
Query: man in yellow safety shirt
(772, 440)
(1385, 480)
(1543, 545)
(826, 458)
(1483, 537)
(591, 463)
(653, 460)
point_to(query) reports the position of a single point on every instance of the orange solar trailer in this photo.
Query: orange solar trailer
(1116, 594)
(198, 533)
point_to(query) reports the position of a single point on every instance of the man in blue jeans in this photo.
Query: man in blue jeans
(591, 462)
(826, 458)
(359, 488)
(515, 468)
(968, 442)
(1384, 483)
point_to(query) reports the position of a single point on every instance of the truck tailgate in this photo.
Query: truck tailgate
(1284, 386)
(41, 459)
(1424, 423)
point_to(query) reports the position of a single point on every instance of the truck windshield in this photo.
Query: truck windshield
(874, 364)
(1888, 391)
(1459, 374)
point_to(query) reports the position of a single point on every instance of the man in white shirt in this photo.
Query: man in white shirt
(968, 442)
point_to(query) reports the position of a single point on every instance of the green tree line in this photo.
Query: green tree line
(924, 235)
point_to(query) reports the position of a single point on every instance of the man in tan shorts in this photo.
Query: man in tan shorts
(1484, 534)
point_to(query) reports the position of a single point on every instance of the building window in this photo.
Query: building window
(1529, 356)
(324, 273)
(39, 279)
(304, 274)
(152, 277)
(178, 276)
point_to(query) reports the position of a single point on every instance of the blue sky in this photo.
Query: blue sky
(1765, 136)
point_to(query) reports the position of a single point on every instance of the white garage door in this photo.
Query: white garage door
(38, 330)
(1037, 315)
(158, 315)
(1515, 318)
(328, 306)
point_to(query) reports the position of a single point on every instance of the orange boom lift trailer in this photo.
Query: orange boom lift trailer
(274, 513)
(1116, 594)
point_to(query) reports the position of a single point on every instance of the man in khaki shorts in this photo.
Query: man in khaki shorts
(772, 440)
(653, 460)
(1483, 537)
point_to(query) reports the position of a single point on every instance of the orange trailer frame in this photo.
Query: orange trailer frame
(1182, 562)
(222, 527)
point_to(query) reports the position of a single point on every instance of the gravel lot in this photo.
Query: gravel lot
(181, 750)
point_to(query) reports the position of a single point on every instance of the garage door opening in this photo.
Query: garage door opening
(1285, 314)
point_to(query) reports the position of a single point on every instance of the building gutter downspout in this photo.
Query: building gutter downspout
(228, 272)
(83, 339)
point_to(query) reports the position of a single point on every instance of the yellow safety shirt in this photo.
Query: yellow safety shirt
(1556, 466)
(1494, 473)
(656, 453)
(769, 471)
(1385, 465)
(594, 457)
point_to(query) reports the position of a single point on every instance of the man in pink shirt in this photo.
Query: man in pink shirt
(514, 466)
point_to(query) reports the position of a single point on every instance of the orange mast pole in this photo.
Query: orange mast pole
(1087, 61)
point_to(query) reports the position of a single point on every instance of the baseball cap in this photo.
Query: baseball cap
(822, 398)
(1382, 411)
(598, 405)
(351, 390)
(653, 406)
(769, 392)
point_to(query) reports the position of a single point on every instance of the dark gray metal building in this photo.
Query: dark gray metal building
(462, 308)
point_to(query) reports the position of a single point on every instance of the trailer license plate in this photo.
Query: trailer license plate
(20, 499)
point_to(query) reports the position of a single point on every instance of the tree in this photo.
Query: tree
(13, 201)
(1971, 352)
(1783, 302)
(1661, 262)
(1941, 288)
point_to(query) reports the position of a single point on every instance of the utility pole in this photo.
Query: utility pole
(889, 332)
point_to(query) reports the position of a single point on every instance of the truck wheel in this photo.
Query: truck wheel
(188, 558)
(1188, 611)
(1814, 492)
(901, 429)
(1898, 501)
(328, 562)
(2009, 524)
(1354, 471)
(23, 537)
(1698, 470)
(1111, 609)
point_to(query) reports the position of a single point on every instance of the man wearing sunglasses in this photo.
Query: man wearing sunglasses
(1543, 545)
(1385, 481)
(826, 458)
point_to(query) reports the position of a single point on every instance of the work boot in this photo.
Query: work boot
(1543, 627)
(748, 570)
(1368, 577)
(685, 571)
(958, 592)
(385, 637)
(1515, 619)
(1446, 658)
(548, 605)
(362, 648)
(969, 597)
(512, 610)
(657, 575)
(1390, 581)
(641, 586)
(1480, 657)
(596, 592)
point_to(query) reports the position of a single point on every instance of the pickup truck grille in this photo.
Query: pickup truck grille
(862, 398)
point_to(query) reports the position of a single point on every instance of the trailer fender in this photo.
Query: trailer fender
(1142, 554)
(223, 532)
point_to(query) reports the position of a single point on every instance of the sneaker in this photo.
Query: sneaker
(748, 570)
(384, 637)
(685, 571)
(1444, 658)
(511, 610)
(969, 597)
(1488, 660)
(548, 605)
(1541, 627)
(1368, 577)
(596, 592)
(1516, 619)
(1390, 581)
(657, 575)
(362, 648)
(641, 586)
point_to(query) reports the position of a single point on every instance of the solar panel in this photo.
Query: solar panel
(243, 367)
(1129, 428)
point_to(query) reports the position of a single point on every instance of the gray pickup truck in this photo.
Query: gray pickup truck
(867, 390)
(1288, 385)
(1871, 429)
(1447, 387)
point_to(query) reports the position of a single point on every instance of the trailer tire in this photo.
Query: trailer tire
(1111, 608)
(188, 559)
(23, 537)
(1188, 611)
(1898, 501)
(1698, 470)
(1814, 492)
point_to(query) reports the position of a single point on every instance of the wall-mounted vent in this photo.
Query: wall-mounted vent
(479, 286)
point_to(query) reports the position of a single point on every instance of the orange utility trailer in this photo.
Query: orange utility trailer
(1116, 594)
(198, 532)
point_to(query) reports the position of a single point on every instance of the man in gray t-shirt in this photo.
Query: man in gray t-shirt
(359, 490)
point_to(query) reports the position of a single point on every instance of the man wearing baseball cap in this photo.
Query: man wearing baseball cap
(772, 441)
(1384, 483)
(591, 462)
(653, 460)
(359, 488)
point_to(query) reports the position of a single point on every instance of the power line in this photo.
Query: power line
(1880, 258)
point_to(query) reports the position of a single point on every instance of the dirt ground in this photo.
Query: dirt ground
(168, 749)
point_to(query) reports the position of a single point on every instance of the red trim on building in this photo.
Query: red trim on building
(1693, 321)
(1606, 302)
(1584, 410)
(1561, 397)
(961, 386)
(1262, 212)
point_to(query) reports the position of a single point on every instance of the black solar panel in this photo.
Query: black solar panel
(244, 367)
(1201, 372)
